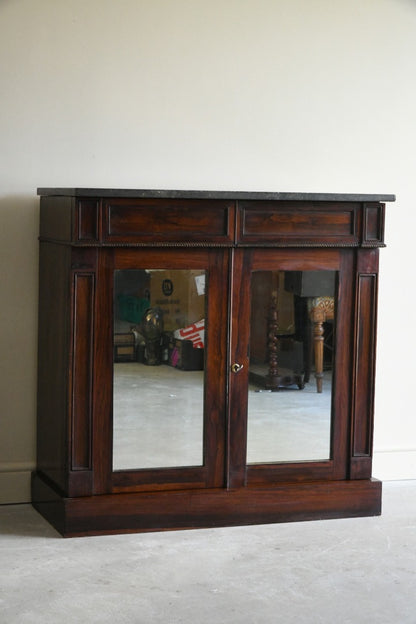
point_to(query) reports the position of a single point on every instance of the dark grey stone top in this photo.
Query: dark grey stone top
(253, 195)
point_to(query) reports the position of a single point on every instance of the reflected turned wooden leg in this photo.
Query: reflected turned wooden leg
(321, 310)
(318, 341)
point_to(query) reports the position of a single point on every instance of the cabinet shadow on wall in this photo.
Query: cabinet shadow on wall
(19, 310)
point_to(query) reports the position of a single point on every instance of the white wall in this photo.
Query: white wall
(277, 95)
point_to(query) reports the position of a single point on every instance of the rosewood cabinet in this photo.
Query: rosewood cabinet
(183, 378)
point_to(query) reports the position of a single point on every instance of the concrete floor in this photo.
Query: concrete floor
(332, 572)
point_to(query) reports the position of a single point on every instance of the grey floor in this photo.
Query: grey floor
(331, 572)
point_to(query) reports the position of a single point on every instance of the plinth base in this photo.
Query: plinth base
(190, 509)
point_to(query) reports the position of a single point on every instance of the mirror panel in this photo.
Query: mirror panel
(158, 381)
(292, 338)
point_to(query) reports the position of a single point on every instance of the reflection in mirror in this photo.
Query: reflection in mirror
(159, 330)
(292, 332)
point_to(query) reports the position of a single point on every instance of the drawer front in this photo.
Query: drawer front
(298, 223)
(167, 221)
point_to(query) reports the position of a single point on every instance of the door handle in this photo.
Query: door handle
(236, 368)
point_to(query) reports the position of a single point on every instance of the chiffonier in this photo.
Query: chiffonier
(205, 358)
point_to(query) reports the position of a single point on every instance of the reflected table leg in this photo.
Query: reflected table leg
(321, 310)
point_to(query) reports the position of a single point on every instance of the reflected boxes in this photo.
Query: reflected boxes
(125, 347)
(180, 294)
(182, 354)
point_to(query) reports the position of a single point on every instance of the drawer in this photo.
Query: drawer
(298, 223)
(180, 221)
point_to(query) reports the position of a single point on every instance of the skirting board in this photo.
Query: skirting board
(15, 486)
(394, 465)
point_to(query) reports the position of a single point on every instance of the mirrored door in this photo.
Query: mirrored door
(159, 355)
(287, 379)
(167, 425)
(292, 348)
